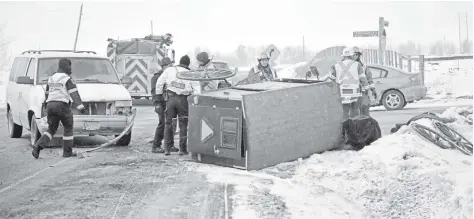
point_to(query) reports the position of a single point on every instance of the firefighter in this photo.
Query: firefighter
(60, 89)
(262, 72)
(350, 76)
(177, 105)
(159, 109)
(365, 99)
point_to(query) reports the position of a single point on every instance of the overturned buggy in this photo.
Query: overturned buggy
(254, 126)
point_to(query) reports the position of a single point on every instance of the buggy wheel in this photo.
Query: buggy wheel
(432, 136)
(460, 142)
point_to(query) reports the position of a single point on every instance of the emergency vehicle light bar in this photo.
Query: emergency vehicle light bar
(39, 51)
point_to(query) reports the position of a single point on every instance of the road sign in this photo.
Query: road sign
(273, 52)
(365, 33)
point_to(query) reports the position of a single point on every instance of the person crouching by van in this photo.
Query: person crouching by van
(60, 89)
(160, 110)
(177, 105)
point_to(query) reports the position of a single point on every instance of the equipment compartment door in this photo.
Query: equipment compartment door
(215, 131)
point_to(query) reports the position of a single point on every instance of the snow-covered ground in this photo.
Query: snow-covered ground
(399, 176)
(446, 80)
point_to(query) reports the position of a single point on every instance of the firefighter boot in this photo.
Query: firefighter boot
(167, 151)
(43, 141)
(67, 147)
(157, 149)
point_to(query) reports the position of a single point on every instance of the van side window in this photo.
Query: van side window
(31, 69)
(21, 68)
(13, 70)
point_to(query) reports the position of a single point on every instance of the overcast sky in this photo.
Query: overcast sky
(223, 24)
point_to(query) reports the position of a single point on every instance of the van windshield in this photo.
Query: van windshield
(84, 70)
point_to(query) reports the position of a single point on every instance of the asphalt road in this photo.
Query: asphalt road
(118, 182)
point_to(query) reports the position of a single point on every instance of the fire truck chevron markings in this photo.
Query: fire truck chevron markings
(135, 85)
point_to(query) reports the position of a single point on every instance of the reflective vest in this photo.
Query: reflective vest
(260, 72)
(57, 88)
(347, 76)
(176, 85)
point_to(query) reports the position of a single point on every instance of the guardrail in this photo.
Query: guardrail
(393, 58)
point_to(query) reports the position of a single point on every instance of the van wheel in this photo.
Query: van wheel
(14, 130)
(393, 100)
(35, 134)
(125, 140)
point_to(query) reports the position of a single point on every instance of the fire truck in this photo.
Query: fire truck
(140, 58)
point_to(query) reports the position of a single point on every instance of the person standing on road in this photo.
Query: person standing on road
(159, 109)
(365, 99)
(177, 105)
(350, 75)
(60, 89)
(262, 72)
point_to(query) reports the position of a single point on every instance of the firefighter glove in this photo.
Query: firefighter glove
(158, 108)
(374, 92)
(160, 98)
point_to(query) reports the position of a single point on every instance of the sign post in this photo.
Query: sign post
(272, 52)
(380, 33)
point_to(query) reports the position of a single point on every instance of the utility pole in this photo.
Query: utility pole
(78, 26)
(467, 32)
(460, 45)
(151, 25)
(303, 50)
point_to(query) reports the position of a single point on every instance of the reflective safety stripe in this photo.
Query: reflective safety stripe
(346, 72)
(72, 90)
(49, 135)
(68, 138)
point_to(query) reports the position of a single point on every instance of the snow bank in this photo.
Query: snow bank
(398, 176)
(445, 79)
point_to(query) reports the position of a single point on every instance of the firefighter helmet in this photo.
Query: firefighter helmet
(263, 56)
(166, 61)
(348, 51)
(357, 50)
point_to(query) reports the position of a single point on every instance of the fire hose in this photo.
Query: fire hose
(127, 130)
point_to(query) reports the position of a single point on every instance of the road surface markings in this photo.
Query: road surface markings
(118, 205)
(31, 176)
(226, 207)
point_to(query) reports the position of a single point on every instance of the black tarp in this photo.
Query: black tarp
(361, 131)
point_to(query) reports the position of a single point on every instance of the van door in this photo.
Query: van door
(13, 91)
(25, 93)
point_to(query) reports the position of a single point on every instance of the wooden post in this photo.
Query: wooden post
(400, 62)
(422, 68)
(409, 63)
(395, 59)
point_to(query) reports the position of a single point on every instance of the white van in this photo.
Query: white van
(104, 95)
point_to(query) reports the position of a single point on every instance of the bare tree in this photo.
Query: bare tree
(4, 56)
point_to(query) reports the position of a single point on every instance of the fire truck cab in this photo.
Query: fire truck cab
(140, 58)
